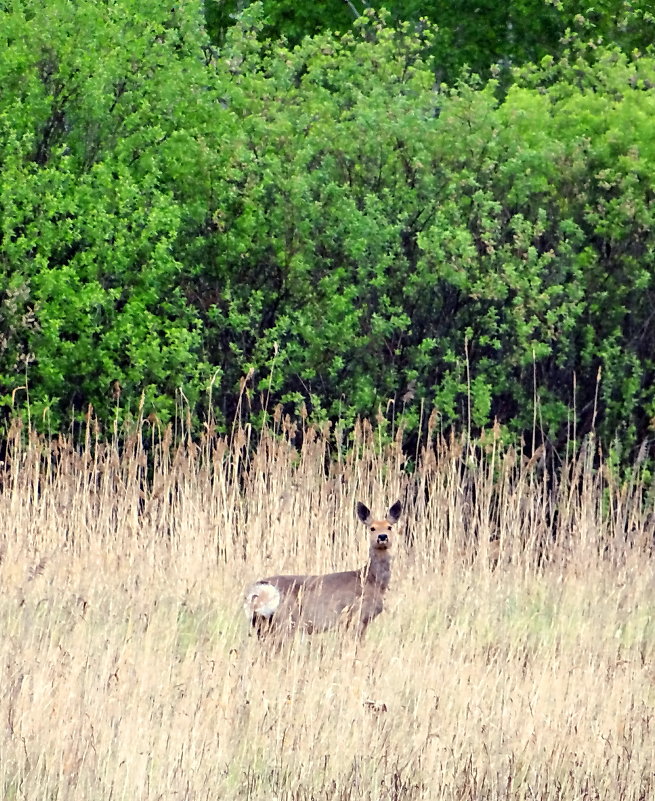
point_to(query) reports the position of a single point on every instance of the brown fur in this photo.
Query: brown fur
(280, 605)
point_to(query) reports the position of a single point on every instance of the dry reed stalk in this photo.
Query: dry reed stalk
(516, 670)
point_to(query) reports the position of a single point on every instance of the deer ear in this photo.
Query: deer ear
(393, 515)
(363, 513)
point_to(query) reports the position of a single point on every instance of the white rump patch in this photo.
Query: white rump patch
(261, 599)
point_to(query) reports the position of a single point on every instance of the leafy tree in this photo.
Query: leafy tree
(324, 219)
(404, 241)
(92, 137)
(483, 36)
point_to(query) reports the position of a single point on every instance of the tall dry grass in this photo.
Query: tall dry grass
(514, 659)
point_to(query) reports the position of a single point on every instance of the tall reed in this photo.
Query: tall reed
(514, 659)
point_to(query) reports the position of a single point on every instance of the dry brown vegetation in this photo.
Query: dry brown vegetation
(521, 668)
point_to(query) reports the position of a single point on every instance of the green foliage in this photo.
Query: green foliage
(485, 36)
(435, 245)
(284, 18)
(91, 139)
(326, 220)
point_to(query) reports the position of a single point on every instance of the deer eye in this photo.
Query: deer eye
(372, 528)
(388, 528)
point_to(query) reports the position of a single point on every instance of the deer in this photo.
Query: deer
(279, 606)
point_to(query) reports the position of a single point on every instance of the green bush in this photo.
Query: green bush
(485, 37)
(406, 240)
(325, 219)
(92, 138)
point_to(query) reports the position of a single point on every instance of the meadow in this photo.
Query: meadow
(514, 659)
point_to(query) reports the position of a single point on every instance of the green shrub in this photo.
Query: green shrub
(326, 220)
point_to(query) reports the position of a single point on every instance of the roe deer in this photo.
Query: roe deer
(281, 604)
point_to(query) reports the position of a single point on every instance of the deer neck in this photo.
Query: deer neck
(378, 569)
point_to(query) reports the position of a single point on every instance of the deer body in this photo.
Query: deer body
(283, 604)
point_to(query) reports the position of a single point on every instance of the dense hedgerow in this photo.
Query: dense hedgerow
(327, 220)
(487, 38)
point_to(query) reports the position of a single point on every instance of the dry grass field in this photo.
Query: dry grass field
(509, 663)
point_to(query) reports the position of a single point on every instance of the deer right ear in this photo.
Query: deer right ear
(363, 513)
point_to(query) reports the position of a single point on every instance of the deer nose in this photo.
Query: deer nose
(382, 537)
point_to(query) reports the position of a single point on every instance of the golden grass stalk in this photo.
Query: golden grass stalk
(514, 659)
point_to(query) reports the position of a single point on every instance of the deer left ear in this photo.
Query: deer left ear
(393, 515)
